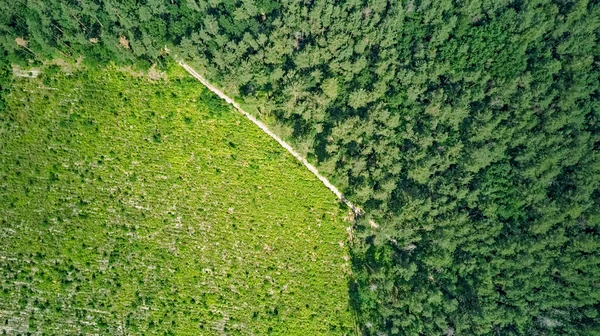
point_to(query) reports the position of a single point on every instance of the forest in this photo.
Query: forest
(468, 131)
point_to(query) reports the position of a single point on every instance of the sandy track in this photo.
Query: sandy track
(264, 128)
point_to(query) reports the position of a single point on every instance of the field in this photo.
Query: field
(136, 207)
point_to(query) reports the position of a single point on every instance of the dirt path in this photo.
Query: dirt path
(313, 169)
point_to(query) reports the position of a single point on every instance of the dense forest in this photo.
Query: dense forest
(468, 131)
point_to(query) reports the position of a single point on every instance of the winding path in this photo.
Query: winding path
(262, 126)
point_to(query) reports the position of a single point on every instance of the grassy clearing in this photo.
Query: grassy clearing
(135, 207)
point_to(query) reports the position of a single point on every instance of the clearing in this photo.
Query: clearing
(136, 207)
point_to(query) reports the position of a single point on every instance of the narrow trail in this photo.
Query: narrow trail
(262, 126)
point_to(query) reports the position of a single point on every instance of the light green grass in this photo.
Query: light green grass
(130, 207)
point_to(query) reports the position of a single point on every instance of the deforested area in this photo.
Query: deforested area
(131, 206)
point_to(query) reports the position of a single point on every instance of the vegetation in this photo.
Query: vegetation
(468, 131)
(132, 207)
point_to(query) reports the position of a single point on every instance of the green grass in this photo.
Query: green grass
(151, 208)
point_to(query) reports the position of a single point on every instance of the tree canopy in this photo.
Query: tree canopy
(469, 132)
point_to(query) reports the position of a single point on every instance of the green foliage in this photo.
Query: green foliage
(134, 207)
(468, 131)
